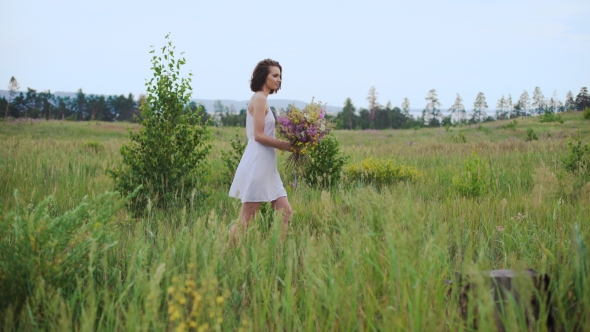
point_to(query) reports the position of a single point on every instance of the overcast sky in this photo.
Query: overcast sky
(328, 49)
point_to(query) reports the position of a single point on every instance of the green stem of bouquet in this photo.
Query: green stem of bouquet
(297, 161)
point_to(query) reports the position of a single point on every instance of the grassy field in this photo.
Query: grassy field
(357, 257)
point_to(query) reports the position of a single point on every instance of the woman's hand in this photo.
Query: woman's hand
(259, 108)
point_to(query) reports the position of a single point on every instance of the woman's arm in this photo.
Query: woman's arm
(259, 108)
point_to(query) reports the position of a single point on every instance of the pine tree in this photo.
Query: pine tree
(218, 110)
(582, 99)
(431, 112)
(348, 114)
(555, 104)
(80, 104)
(479, 108)
(13, 87)
(501, 109)
(458, 110)
(373, 104)
(406, 107)
(570, 104)
(524, 102)
(509, 106)
(538, 101)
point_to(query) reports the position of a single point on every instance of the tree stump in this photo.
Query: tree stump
(504, 286)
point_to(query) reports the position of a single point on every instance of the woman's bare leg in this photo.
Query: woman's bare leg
(282, 205)
(247, 214)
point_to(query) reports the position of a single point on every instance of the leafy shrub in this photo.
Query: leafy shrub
(231, 159)
(577, 159)
(531, 135)
(586, 113)
(551, 117)
(326, 163)
(168, 156)
(36, 243)
(93, 146)
(381, 171)
(511, 125)
(475, 180)
(460, 138)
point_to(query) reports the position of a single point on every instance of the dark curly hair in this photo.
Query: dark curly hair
(261, 72)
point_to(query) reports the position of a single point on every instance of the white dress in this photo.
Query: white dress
(257, 178)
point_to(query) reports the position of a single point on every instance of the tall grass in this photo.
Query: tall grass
(357, 257)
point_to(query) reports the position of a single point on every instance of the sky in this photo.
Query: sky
(330, 50)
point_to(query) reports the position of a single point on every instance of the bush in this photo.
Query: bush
(168, 156)
(231, 159)
(326, 163)
(510, 125)
(551, 117)
(93, 146)
(531, 135)
(460, 138)
(38, 245)
(381, 171)
(586, 113)
(577, 159)
(475, 180)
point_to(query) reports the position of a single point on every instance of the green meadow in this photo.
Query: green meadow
(357, 257)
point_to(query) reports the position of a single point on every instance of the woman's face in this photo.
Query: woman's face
(273, 80)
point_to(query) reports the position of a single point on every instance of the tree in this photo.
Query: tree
(406, 107)
(570, 104)
(538, 101)
(128, 108)
(524, 102)
(501, 109)
(13, 87)
(348, 114)
(480, 107)
(555, 104)
(431, 112)
(32, 109)
(582, 99)
(46, 103)
(63, 108)
(373, 104)
(218, 110)
(509, 106)
(168, 156)
(80, 103)
(19, 105)
(458, 110)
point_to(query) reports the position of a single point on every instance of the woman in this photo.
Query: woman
(257, 178)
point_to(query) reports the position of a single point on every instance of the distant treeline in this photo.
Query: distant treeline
(377, 116)
(81, 107)
(84, 107)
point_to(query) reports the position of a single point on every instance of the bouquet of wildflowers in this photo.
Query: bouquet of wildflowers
(303, 128)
